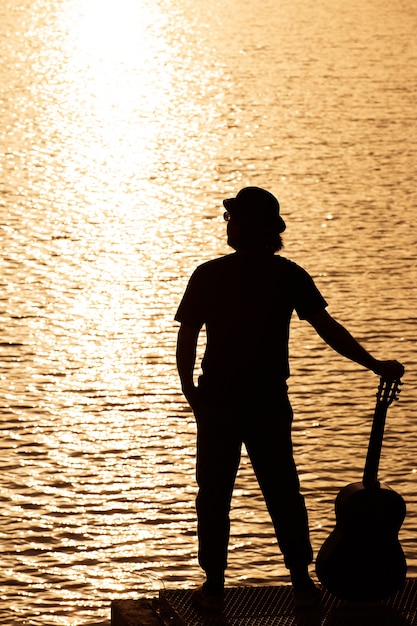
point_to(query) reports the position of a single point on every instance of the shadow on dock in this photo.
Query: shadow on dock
(267, 606)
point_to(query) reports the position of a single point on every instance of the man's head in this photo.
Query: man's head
(254, 205)
(254, 220)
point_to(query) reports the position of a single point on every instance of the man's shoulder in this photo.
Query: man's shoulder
(286, 266)
(282, 261)
(216, 265)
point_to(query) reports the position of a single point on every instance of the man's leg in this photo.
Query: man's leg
(268, 441)
(218, 457)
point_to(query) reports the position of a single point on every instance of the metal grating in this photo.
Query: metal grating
(273, 606)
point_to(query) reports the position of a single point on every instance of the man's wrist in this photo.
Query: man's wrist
(373, 365)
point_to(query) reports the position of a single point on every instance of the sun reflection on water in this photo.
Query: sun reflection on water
(125, 123)
(104, 99)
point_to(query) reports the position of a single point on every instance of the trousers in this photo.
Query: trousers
(265, 429)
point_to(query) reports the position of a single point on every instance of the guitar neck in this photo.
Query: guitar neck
(387, 392)
(370, 473)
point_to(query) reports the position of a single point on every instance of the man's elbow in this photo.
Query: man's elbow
(322, 321)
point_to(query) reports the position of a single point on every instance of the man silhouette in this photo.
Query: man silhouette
(245, 300)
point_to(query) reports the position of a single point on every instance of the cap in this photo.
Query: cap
(254, 203)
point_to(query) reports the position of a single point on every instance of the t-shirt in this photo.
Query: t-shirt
(246, 303)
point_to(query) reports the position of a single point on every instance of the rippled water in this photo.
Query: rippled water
(124, 124)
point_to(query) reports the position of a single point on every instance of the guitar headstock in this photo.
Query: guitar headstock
(388, 391)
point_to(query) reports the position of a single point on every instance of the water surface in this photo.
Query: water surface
(124, 125)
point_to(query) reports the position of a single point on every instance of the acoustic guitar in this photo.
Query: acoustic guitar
(362, 559)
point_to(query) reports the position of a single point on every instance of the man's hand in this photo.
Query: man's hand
(389, 370)
(190, 394)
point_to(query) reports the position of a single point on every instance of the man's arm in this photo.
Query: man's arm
(186, 355)
(338, 338)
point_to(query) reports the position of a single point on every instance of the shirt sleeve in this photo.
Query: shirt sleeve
(308, 299)
(191, 310)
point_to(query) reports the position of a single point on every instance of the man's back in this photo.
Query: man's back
(246, 302)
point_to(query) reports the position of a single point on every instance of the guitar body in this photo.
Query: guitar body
(362, 559)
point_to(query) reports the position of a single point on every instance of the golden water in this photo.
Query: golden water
(124, 125)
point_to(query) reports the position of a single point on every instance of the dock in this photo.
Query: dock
(266, 606)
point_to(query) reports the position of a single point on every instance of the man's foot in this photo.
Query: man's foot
(305, 593)
(208, 601)
(306, 597)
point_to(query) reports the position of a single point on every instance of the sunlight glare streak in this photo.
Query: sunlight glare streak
(118, 78)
